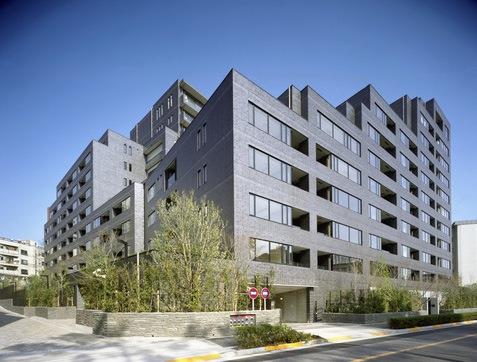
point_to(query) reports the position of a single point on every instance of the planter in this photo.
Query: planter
(171, 324)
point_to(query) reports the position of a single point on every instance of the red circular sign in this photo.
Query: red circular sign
(265, 293)
(253, 293)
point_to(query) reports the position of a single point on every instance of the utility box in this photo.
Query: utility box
(433, 305)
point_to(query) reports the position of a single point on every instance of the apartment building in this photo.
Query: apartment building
(315, 192)
(464, 250)
(102, 195)
(19, 259)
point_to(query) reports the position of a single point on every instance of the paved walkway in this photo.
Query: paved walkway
(338, 332)
(39, 339)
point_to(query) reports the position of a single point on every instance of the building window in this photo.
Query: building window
(332, 130)
(24, 262)
(125, 165)
(374, 186)
(24, 272)
(269, 124)
(151, 192)
(374, 134)
(345, 169)
(270, 210)
(269, 165)
(125, 182)
(23, 252)
(151, 218)
(406, 251)
(201, 137)
(444, 263)
(426, 258)
(374, 213)
(374, 160)
(425, 236)
(375, 242)
(130, 150)
(278, 253)
(346, 233)
(201, 176)
(344, 199)
(125, 148)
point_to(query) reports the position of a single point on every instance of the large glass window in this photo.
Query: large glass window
(406, 251)
(270, 210)
(269, 124)
(374, 213)
(375, 242)
(345, 169)
(265, 163)
(346, 233)
(278, 253)
(346, 200)
(327, 126)
(374, 186)
(374, 160)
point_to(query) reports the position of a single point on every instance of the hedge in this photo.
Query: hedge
(429, 320)
(267, 335)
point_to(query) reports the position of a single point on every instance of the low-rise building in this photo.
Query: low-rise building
(19, 259)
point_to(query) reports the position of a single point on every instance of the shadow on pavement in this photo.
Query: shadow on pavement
(7, 319)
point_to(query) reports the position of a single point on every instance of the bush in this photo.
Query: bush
(429, 320)
(267, 335)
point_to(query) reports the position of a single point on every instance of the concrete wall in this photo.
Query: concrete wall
(364, 318)
(207, 324)
(44, 312)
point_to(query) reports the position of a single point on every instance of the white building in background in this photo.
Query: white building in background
(19, 259)
(464, 250)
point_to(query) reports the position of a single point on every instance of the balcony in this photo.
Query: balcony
(190, 105)
(8, 252)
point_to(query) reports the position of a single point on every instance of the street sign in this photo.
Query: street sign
(253, 293)
(265, 293)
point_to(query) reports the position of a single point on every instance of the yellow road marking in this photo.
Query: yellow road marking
(205, 357)
(386, 354)
(339, 339)
(380, 333)
(284, 346)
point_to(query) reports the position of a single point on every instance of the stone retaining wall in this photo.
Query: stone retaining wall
(458, 310)
(207, 324)
(364, 318)
(44, 312)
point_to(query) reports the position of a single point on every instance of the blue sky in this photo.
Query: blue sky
(71, 69)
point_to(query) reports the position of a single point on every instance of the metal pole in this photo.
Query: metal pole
(253, 304)
(138, 278)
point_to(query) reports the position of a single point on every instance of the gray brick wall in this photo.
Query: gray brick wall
(207, 324)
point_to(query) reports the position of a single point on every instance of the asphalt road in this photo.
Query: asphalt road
(450, 344)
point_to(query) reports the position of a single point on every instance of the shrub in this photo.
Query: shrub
(429, 320)
(267, 335)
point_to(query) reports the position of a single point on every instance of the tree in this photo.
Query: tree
(193, 256)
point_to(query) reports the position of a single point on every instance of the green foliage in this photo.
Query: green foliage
(189, 269)
(110, 284)
(195, 264)
(383, 295)
(49, 290)
(429, 320)
(267, 335)
(455, 296)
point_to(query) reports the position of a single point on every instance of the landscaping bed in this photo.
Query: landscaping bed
(262, 335)
(429, 320)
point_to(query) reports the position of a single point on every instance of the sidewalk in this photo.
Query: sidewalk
(340, 332)
(39, 339)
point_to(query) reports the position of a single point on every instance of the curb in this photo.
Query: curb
(394, 332)
(302, 345)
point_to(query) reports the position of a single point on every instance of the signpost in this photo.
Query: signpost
(253, 294)
(265, 293)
